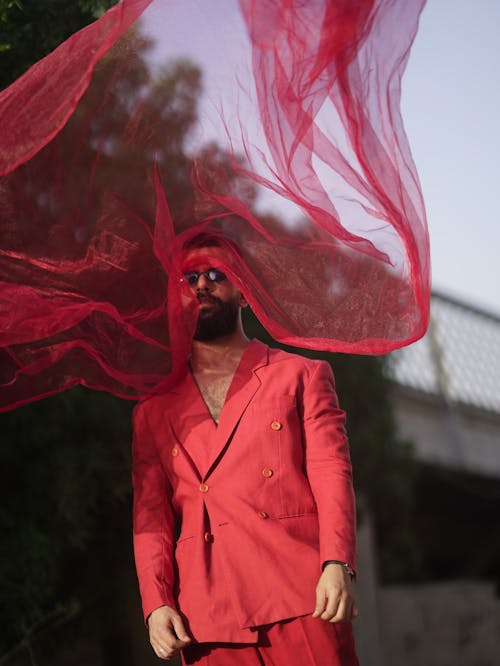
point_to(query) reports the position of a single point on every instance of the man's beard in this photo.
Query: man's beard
(220, 320)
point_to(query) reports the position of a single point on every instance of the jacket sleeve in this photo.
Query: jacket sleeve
(154, 519)
(328, 467)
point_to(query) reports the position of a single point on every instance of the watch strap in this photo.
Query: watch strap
(346, 566)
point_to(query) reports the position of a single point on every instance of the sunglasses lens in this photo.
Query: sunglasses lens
(215, 275)
(191, 278)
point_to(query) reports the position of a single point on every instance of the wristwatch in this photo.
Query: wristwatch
(346, 566)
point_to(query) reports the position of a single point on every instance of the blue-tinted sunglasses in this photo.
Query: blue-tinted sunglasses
(213, 274)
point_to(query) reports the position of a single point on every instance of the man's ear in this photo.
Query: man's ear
(242, 301)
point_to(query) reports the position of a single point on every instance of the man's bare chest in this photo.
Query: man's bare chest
(213, 389)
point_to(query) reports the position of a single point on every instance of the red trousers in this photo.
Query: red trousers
(303, 641)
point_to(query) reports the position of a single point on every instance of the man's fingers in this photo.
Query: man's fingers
(180, 630)
(171, 641)
(339, 608)
(165, 642)
(334, 600)
(163, 653)
(162, 649)
(165, 649)
(167, 633)
(346, 611)
(332, 605)
(320, 601)
(343, 612)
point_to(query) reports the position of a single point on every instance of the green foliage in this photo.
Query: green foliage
(65, 510)
(66, 461)
(30, 29)
(65, 553)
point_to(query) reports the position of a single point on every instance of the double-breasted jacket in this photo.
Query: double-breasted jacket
(233, 521)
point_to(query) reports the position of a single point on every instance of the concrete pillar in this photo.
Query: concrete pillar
(367, 626)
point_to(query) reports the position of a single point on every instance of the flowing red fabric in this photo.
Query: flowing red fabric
(274, 124)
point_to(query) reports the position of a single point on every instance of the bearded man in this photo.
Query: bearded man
(244, 513)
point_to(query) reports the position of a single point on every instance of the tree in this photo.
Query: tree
(67, 496)
(29, 29)
(66, 501)
(68, 475)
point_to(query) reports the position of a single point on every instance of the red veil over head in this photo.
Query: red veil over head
(274, 124)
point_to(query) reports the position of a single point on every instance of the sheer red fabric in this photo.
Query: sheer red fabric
(274, 124)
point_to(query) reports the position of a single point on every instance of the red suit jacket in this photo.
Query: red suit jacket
(262, 499)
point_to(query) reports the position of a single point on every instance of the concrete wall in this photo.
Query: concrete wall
(442, 624)
(459, 438)
(367, 626)
(449, 624)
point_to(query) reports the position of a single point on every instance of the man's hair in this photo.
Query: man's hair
(210, 239)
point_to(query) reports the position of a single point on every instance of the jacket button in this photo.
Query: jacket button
(203, 488)
(276, 425)
(262, 514)
(267, 472)
(175, 451)
(208, 537)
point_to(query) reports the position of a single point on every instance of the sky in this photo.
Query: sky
(451, 111)
(451, 107)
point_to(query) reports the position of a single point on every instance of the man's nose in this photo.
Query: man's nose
(203, 282)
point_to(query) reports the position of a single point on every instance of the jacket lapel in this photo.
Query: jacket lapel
(186, 410)
(241, 391)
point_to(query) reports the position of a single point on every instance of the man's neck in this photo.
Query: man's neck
(222, 353)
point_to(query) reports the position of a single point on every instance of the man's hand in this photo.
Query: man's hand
(167, 634)
(334, 596)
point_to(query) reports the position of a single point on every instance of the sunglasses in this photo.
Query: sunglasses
(212, 274)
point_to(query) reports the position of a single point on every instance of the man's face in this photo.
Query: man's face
(219, 301)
